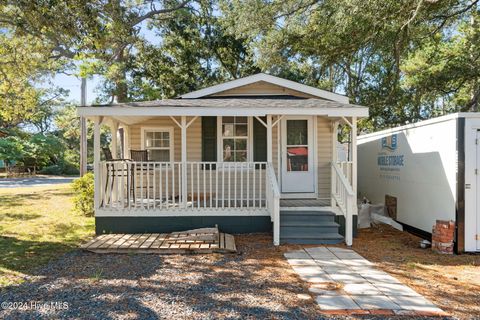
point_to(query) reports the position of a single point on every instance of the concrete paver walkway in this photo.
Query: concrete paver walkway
(342, 280)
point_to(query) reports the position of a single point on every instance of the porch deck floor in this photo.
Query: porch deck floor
(162, 243)
(164, 204)
(295, 203)
(215, 204)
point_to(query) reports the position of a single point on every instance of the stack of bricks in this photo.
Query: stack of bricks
(442, 236)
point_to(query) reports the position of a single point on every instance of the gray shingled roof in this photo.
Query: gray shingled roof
(238, 103)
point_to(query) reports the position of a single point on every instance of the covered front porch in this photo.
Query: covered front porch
(175, 187)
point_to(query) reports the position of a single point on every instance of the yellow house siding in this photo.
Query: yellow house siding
(262, 88)
(194, 145)
(324, 156)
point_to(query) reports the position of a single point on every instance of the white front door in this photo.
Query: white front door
(298, 172)
(477, 237)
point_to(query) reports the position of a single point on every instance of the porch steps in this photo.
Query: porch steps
(309, 227)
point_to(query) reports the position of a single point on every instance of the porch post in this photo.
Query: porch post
(353, 206)
(126, 139)
(354, 161)
(114, 132)
(269, 139)
(96, 162)
(184, 160)
(333, 181)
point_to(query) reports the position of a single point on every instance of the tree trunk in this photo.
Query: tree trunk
(121, 88)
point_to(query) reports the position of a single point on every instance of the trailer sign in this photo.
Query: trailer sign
(389, 143)
(390, 161)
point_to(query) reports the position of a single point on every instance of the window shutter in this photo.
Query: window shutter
(259, 140)
(209, 138)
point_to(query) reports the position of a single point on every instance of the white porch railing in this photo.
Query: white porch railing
(344, 198)
(347, 168)
(273, 202)
(129, 185)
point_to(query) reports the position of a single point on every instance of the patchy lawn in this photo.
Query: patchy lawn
(451, 282)
(36, 225)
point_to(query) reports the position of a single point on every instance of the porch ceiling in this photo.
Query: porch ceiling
(131, 119)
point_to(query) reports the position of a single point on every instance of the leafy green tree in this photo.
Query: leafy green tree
(99, 35)
(196, 51)
(23, 66)
(11, 149)
(359, 48)
(445, 73)
(68, 130)
(43, 149)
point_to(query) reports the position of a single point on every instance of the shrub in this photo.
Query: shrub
(55, 170)
(70, 169)
(84, 192)
(63, 168)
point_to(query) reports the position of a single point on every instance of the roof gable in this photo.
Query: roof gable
(262, 77)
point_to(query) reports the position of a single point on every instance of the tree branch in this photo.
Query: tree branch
(155, 12)
(456, 13)
(415, 13)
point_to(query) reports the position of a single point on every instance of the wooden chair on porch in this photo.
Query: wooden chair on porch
(137, 156)
(114, 172)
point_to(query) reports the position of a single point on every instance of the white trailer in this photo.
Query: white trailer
(430, 170)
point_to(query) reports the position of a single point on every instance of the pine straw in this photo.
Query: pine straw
(450, 281)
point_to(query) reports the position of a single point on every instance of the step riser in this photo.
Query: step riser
(310, 241)
(299, 231)
(307, 213)
(312, 219)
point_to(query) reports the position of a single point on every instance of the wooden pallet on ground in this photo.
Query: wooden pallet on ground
(205, 240)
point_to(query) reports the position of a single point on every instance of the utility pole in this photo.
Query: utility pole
(83, 130)
(476, 84)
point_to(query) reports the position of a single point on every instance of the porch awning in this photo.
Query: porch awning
(227, 107)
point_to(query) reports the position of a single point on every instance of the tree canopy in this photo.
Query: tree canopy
(406, 60)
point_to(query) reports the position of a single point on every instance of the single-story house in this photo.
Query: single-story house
(254, 154)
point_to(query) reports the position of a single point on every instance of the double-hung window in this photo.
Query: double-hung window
(159, 143)
(234, 139)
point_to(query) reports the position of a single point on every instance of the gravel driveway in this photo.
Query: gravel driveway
(257, 283)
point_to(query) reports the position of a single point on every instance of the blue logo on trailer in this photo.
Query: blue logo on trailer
(386, 159)
(389, 143)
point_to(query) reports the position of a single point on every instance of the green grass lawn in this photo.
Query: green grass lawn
(36, 225)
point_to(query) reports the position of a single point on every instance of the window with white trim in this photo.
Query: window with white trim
(159, 144)
(234, 139)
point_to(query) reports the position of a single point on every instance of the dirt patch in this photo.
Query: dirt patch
(452, 282)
